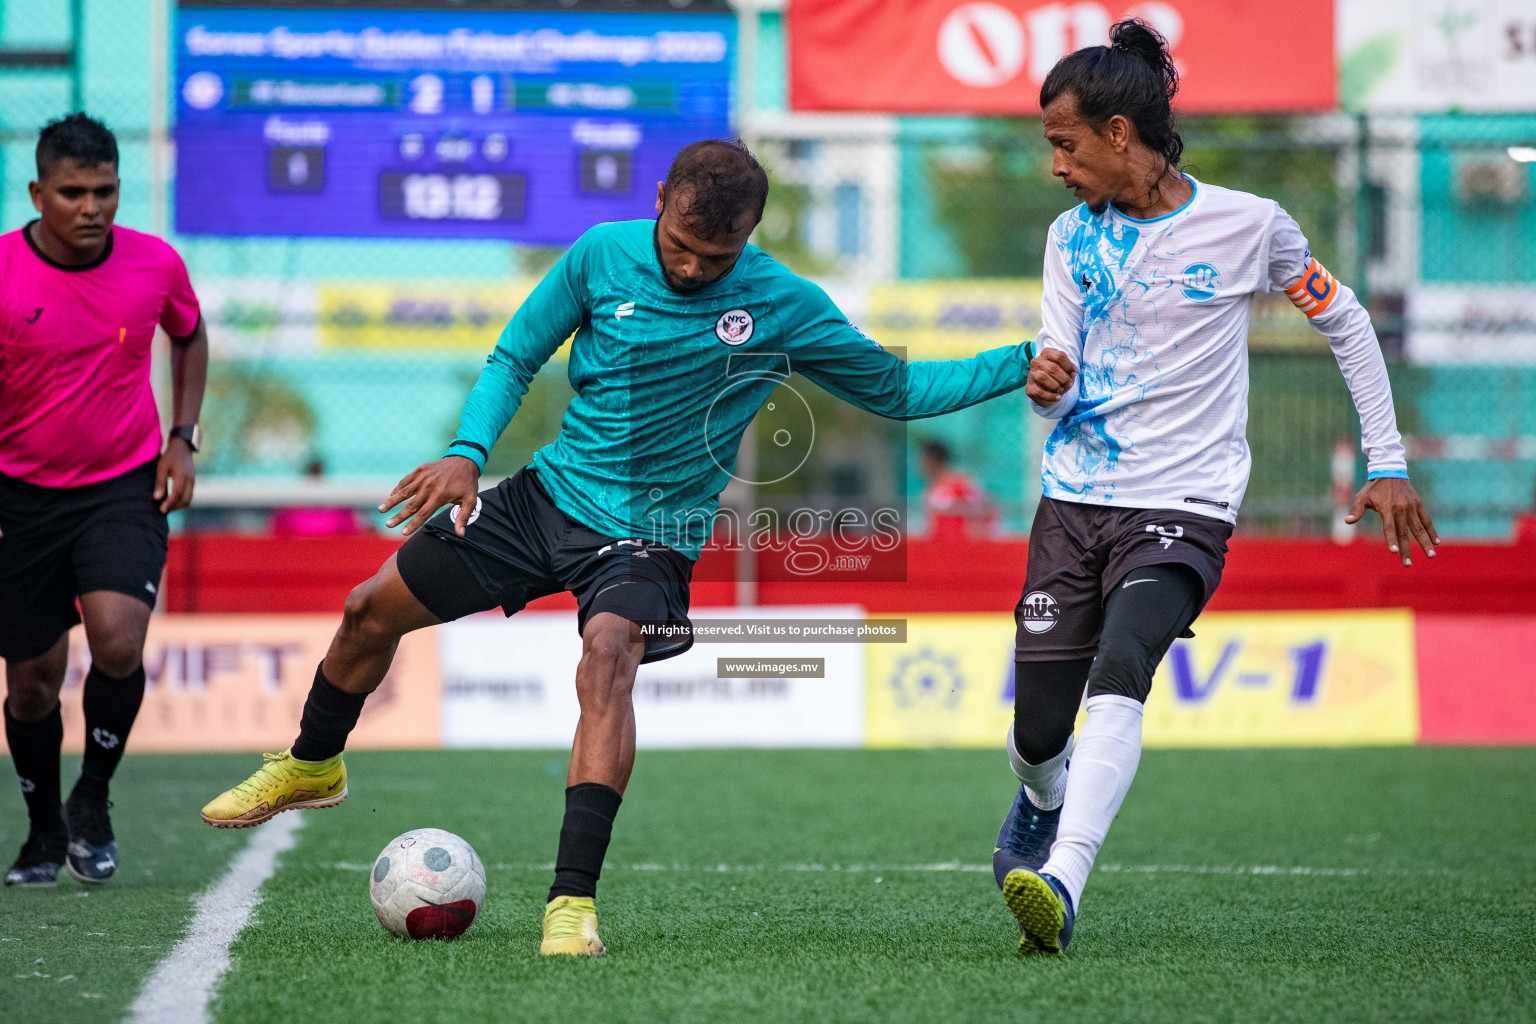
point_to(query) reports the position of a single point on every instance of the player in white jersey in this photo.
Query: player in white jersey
(1143, 364)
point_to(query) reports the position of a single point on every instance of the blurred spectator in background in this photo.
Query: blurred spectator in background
(957, 507)
(316, 520)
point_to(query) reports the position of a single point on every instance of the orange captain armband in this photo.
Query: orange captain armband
(1315, 291)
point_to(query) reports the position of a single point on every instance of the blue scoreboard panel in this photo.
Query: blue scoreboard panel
(408, 120)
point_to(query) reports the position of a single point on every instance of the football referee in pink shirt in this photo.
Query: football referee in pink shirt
(85, 481)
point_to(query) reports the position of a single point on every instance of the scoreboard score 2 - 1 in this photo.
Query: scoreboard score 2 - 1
(522, 121)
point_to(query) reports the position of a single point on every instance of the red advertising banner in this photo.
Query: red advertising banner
(986, 57)
(1477, 678)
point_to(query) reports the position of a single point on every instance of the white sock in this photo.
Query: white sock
(1046, 782)
(1102, 769)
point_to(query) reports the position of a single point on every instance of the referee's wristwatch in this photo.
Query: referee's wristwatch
(190, 433)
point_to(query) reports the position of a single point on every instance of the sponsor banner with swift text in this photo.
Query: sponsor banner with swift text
(512, 683)
(238, 682)
(1246, 679)
(991, 56)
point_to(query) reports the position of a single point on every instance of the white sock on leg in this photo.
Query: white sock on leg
(1102, 769)
(1046, 782)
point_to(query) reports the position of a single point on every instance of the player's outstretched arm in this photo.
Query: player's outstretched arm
(451, 480)
(1049, 366)
(536, 331)
(844, 361)
(1335, 313)
(1402, 515)
(860, 372)
(552, 312)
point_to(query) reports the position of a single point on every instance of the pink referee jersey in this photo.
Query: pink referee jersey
(75, 401)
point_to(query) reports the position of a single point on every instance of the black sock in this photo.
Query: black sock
(329, 716)
(110, 707)
(35, 753)
(590, 808)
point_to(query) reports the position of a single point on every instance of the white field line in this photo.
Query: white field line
(951, 866)
(181, 986)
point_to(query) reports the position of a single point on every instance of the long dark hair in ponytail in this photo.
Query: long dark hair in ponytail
(1133, 76)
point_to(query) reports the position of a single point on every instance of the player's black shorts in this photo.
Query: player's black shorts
(59, 542)
(519, 546)
(1078, 555)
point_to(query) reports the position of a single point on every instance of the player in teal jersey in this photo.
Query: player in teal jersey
(671, 318)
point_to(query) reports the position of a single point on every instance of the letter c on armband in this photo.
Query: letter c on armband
(1315, 292)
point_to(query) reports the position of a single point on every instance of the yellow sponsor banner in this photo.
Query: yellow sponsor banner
(929, 319)
(424, 315)
(1246, 679)
(947, 686)
(953, 319)
(238, 682)
(1289, 679)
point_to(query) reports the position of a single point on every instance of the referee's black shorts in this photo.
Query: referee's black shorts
(57, 543)
(519, 546)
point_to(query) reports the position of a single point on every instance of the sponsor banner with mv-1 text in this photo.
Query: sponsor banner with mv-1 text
(238, 682)
(1245, 679)
(748, 683)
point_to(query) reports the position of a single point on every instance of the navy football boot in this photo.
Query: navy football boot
(1025, 839)
(37, 866)
(92, 848)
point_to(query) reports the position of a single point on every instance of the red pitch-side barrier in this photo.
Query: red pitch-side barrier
(1477, 678)
(1474, 605)
(210, 572)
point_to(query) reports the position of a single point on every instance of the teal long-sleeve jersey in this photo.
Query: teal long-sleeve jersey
(665, 379)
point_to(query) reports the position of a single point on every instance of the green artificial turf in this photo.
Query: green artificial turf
(1416, 904)
(1356, 885)
(76, 955)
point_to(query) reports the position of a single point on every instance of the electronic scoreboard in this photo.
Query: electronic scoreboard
(504, 120)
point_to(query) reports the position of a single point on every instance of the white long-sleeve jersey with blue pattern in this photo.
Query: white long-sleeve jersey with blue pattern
(1154, 313)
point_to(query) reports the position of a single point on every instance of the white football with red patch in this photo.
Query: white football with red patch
(427, 884)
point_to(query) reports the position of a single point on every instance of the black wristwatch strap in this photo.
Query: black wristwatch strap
(190, 434)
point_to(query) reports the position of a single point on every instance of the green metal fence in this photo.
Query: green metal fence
(1429, 218)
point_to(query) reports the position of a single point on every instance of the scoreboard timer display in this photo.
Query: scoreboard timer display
(525, 124)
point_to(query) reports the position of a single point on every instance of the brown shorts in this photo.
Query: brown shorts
(1078, 555)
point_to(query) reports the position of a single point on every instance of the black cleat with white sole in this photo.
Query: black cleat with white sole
(37, 866)
(92, 853)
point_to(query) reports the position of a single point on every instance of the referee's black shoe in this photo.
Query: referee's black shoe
(92, 848)
(37, 866)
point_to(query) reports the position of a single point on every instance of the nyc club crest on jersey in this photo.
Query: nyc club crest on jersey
(734, 327)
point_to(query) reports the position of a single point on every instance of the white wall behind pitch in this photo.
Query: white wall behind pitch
(511, 683)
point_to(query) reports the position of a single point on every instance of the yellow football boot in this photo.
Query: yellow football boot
(570, 926)
(283, 783)
(1043, 908)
